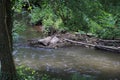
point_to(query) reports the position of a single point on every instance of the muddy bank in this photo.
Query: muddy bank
(59, 40)
(68, 39)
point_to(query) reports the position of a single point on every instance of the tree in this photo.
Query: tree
(8, 71)
(90, 16)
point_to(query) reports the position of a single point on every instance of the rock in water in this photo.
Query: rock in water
(54, 40)
(45, 41)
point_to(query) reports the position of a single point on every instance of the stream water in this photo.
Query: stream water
(75, 59)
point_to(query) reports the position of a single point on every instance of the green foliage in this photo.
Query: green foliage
(20, 5)
(95, 16)
(46, 15)
(25, 73)
(17, 6)
(45, 77)
(105, 19)
(104, 27)
(109, 33)
(77, 76)
(18, 28)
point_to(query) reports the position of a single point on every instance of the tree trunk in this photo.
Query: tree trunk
(8, 71)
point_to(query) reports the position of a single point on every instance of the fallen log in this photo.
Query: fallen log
(101, 47)
(117, 41)
(54, 41)
(82, 43)
(108, 48)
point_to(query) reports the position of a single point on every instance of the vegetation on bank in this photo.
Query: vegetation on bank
(26, 73)
(99, 17)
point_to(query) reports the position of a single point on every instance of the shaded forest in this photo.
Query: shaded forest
(101, 18)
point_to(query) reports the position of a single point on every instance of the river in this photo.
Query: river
(75, 59)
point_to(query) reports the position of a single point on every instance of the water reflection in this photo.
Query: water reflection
(72, 59)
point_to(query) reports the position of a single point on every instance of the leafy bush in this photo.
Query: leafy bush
(94, 16)
(77, 76)
(18, 27)
(110, 33)
(25, 73)
(46, 15)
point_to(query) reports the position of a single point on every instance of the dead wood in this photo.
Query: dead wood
(81, 43)
(108, 48)
(109, 41)
(102, 47)
(68, 39)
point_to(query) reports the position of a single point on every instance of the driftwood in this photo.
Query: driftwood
(115, 43)
(101, 47)
(81, 43)
(54, 42)
(109, 40)
(108, 48)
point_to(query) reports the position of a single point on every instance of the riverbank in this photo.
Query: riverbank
(68, 39)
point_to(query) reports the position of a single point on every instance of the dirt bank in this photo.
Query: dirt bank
(67, 39)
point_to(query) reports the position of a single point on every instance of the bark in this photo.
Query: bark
(8, 71)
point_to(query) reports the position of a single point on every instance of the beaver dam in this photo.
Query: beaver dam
(68, 57)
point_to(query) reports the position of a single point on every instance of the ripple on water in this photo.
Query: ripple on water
(70, 59)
